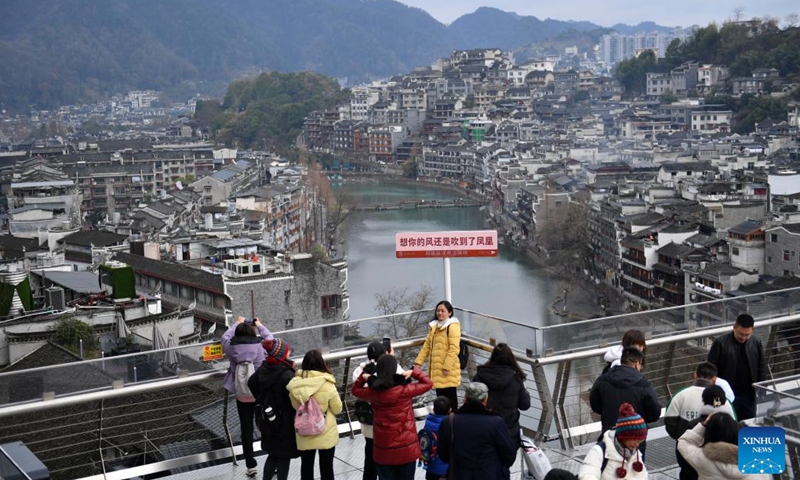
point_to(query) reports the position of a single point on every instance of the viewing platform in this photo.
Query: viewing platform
(92, 419)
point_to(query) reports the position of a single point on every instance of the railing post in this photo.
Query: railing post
(665, 378)
(100, 438)
(560, 390)
(771, 342)
(344, 395)
(225, 425)
(546, 420)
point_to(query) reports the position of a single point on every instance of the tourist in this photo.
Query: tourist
(315, 380)
(616, 455)
(374, 351)
(242, 344)
(277, 424)
(624, 384)
(396, 446)
(712, 449)
(475, 440)
(739, 357)
(631, 338)
(436, 469)
(441, 349)
(506, 382)
(685, 405)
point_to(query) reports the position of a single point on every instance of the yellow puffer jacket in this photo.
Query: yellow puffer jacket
(322, 386)
(441, 350)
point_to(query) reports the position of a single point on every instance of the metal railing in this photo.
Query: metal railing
(92, 417)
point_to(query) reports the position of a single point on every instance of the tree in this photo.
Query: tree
(668, 97)
(562, 232)
(400, 300)
(68, 333)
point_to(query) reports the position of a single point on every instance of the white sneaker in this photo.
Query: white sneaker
(251, 472)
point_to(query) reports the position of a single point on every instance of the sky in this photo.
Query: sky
(609, 12)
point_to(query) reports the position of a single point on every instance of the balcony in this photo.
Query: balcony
(101, 419)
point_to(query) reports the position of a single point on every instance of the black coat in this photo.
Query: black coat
(619, 385)
(507, 394)
(723, 354)
(481, 448)
(277, 437)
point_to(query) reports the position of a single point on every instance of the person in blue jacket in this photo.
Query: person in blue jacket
(242, 343)
(437, 468)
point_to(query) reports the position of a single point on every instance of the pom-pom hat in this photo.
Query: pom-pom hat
(277, 350)
(630, 425)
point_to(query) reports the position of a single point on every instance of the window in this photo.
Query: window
(786, 254)
(288, 323)
(330, 303)
(287, 295)
(769, 259)
(773, 237)
(735, 251)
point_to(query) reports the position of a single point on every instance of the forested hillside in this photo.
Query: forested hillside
(55, 52)
(267, 112)
(742, 47)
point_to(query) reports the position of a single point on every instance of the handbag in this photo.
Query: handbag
(536, 462)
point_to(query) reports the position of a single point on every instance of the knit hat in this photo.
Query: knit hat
(476, 391)
(630, 425)
(375, 350)
(277, 350)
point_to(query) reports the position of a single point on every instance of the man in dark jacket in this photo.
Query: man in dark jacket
(477, 443)
(624, 384)
(739, 357)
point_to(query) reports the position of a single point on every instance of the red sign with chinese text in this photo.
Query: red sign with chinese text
(471, 243)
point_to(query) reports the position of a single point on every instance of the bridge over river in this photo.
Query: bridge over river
(417, 203)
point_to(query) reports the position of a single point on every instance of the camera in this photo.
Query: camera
(249, 321)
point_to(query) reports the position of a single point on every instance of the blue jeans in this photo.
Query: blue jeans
(396, 472)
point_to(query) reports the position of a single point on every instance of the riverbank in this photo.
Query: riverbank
(582, 298)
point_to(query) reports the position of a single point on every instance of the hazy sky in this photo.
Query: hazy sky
(609, 12)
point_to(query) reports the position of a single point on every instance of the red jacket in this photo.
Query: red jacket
(394, 429)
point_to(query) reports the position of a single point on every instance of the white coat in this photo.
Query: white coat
(592, 464)
(713, 461)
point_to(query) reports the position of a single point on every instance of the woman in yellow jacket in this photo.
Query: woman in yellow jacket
(314, 379)
(441, 350)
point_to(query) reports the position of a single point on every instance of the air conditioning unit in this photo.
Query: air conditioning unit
(54, 296)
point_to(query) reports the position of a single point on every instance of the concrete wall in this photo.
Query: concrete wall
(774, 251)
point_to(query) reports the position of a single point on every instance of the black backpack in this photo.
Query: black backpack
(263, 403)
(463, 352)
(364, 412)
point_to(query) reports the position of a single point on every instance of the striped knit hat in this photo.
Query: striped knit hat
(277, 350)
(630, 425)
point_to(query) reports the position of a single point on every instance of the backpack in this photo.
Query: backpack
(264, 403)
(463, 352)
(602, 444)
(428, 445)
(364, 412)
(309, 419)
(244, 370)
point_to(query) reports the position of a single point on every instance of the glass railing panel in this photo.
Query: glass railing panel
(102, 373)
(779, 402)
(493, 329)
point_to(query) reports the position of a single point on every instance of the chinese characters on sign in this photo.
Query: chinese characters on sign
(475, 243)
(212, 352)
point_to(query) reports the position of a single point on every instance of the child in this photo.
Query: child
(437, 468)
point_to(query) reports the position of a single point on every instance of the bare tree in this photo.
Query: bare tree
(399, 301)
(791, 20)
(738, 14)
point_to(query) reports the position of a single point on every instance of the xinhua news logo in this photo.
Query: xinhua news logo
(762, 450)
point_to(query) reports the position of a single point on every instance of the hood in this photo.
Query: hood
(442, 326)
(624, 376)
(268, 375)
(245, 340)
(496, 377)
(722, 452)
(613, 353)
(306, 383)
(433, 422)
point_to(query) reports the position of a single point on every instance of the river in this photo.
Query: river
(506, 286)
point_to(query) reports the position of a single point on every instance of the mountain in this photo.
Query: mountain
(55, 52)
(641, 27)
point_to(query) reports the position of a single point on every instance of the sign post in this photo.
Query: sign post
(445, 245)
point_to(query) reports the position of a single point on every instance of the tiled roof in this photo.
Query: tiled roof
(98, 238)
(172, 271)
